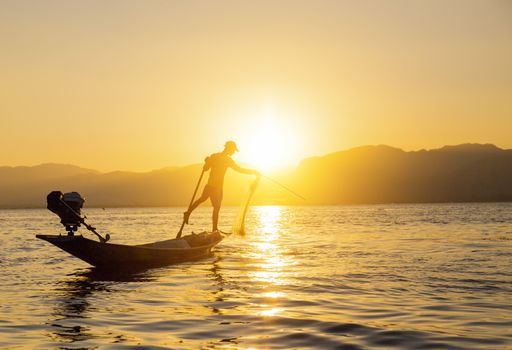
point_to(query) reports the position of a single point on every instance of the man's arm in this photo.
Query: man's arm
(235, 167)
(207, 164)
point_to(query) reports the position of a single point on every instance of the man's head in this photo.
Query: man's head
(230, 147)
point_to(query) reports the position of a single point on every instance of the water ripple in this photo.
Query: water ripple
(348, 277)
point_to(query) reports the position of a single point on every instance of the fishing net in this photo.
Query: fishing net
(239, 224)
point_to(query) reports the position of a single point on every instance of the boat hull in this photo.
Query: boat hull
(119, 256)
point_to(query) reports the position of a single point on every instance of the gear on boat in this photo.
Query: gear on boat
(67, 206)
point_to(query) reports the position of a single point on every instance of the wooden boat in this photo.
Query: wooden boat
(120, 256)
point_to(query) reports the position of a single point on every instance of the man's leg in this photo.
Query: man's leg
(204, 196)
(215, 218)
(216, 199)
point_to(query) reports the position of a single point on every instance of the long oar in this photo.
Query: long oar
(283, 186)
(89, 227)
(190, 204)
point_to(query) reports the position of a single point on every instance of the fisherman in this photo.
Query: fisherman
(217, 163)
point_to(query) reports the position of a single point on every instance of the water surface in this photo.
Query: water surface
(341, 277)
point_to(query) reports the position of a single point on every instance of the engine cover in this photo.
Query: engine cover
(68, 207)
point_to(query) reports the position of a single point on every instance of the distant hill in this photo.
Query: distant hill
(382, 174)
(27, 187)
(368, 174)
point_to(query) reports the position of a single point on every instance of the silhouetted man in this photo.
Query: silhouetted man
(217, 163)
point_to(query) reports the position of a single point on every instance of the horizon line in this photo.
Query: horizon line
(181, 166)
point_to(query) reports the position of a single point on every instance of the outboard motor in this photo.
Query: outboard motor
(67, 206)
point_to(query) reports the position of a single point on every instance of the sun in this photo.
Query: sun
(270, 143)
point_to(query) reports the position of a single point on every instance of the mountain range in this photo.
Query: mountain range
(362, 175)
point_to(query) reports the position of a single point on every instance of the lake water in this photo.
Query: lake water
(342, 277)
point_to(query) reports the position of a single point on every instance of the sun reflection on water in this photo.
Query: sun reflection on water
(273, 295)
(271, 312)
(270, 261)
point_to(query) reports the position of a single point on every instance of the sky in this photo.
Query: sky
(141, 85)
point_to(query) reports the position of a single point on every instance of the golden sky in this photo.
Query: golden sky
(139, 85)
